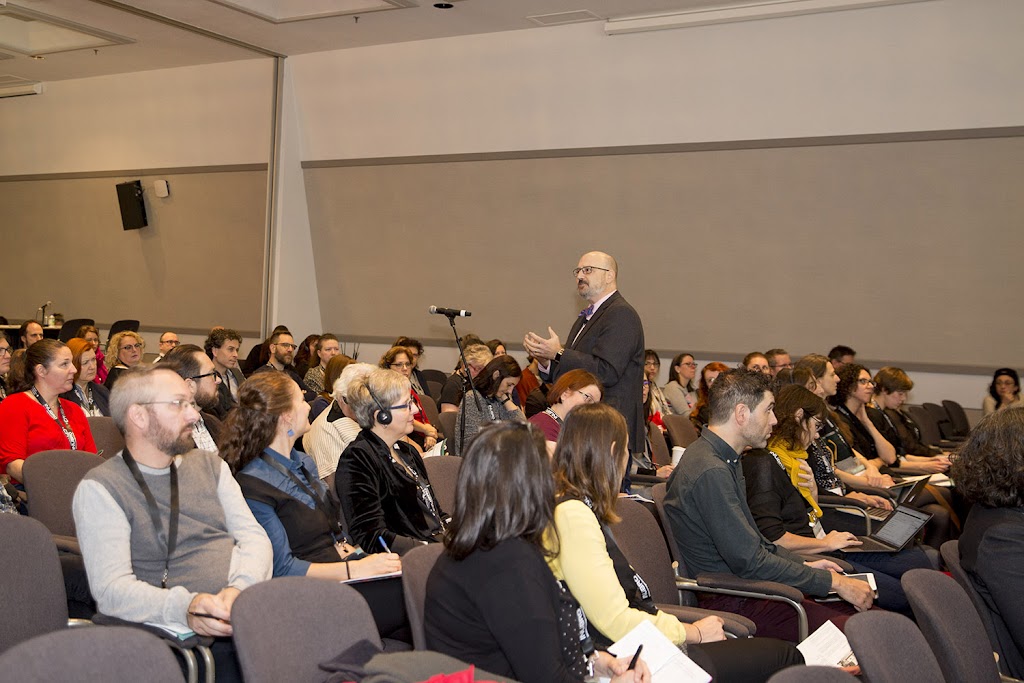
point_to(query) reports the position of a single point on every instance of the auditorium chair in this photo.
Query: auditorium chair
(890, 649)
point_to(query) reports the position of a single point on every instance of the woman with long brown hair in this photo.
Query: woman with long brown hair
(301, 516)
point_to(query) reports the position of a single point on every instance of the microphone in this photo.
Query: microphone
(450, 312)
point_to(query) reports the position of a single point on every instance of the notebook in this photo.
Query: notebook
(895, 533)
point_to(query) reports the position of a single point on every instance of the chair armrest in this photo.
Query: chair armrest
(736, 583)
(874, 491)
(734, 624)
(79, 623)
(67, 544)
(843, 564)
(840, 501)
(729, 584)
(195, 640)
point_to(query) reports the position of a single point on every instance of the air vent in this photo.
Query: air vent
(558, 18)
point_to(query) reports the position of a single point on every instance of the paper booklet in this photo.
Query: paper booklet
(667, 662)
(827, 647)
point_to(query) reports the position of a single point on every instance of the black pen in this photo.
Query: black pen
(632, 662)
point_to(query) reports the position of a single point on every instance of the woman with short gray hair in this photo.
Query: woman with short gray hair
(381, 480)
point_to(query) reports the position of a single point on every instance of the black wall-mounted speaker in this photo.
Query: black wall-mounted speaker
(133, 208)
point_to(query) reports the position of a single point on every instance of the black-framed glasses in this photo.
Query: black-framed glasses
(212, 373)
(172, 342)
(587, 270)
(5, 350)
(286, 345)
(405, 406)
(864, 381)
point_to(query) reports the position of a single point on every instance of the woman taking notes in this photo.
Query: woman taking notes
(491, 599)
(300, 515)
(589, 462)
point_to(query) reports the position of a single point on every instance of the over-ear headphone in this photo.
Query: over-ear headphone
(383, 416)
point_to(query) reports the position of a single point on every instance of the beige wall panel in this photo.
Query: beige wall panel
(907, 251)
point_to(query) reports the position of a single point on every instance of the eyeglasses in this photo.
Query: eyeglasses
(647, 383)
(587, 270)
(212, 373)
(863, 381)
(286, 346)
(401, 365)
(179, 403)
(587, 398)
(136, 346)
(5, 350)
(652, 362)
(405, 406)
(171, 342)
(691, 364)
(999, 382)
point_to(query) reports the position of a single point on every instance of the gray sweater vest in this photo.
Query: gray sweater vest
(202, 557)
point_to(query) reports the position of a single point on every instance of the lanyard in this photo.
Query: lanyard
(425, 494)
(62, 422)
(171, 538)
(87, 401)
(553, 415)
(324, 505)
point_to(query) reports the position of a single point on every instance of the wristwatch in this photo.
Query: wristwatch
(558, 356)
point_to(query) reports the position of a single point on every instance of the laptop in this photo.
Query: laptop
(905, 492)
(895, 533)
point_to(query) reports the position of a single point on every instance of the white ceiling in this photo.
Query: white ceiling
(157, 44)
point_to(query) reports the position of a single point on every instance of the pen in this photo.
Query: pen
(204, 615)
(386, 548)
(632, 662)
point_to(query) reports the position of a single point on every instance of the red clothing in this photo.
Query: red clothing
(547, 424)
(420, 415)
(26, 428)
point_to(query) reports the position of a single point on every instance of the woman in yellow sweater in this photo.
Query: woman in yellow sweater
(589, 464)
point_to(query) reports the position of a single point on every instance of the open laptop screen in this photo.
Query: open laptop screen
(901, 526)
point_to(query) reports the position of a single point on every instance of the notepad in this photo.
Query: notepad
(667, 662)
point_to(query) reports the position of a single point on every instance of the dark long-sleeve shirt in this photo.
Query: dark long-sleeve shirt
(707, 508)
(497, 609)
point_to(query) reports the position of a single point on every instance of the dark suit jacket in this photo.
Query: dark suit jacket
(224, 400)
(100, 396)
(611, 347)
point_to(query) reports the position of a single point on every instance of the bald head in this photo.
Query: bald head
(596, 275)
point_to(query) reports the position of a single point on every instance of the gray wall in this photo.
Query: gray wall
(906, 249)
(199, 262)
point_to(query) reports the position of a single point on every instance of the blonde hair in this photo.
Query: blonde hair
(114, 346)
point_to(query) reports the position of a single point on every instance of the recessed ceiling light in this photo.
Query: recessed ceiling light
(38, 57)
(443, 5)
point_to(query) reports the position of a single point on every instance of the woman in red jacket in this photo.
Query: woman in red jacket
(36, 419)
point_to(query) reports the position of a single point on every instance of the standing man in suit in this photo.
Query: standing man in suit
(607, 340)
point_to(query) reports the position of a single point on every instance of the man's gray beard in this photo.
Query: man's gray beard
(167, 443)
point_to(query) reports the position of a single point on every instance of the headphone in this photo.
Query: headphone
(383, 416)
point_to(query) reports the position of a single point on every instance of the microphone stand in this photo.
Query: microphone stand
(467, 383)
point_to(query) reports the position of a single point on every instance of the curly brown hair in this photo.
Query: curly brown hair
(988, 468)
(251, 426)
